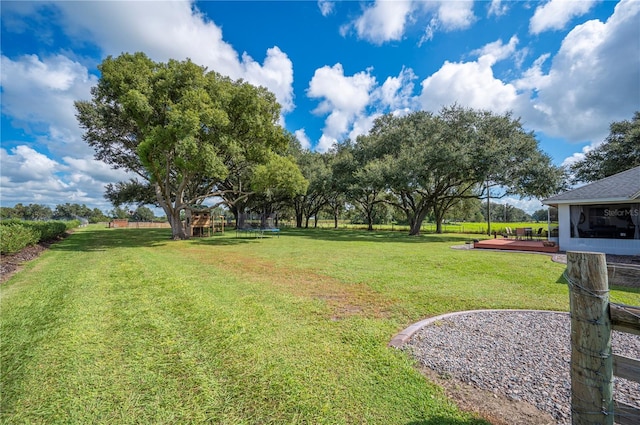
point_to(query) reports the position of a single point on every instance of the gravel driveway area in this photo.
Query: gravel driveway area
(523, 355)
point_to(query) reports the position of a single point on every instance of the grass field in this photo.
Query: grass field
(124, 326)
(448, 227)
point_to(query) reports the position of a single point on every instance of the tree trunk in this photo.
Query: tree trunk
(299, 220)
(234, 211)
(188, 222)
(173, 215)
(177, 228)
(438, 216)
(297, 205)
(414, 228)
(415, 222)
(263, 218)
(370, 220)
(335, 219)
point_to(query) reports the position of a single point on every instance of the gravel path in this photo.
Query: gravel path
(523, 355)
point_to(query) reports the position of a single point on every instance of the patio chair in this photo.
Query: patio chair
(507, 232)
(540, 235)
(520, 233)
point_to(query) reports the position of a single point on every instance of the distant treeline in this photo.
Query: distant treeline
(39, 212)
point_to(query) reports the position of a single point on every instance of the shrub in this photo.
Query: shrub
(15, 236)
(49, 230)
(72, 224)
(41, 230)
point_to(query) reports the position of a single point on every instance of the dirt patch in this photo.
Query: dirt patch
(10, 264)
(343, 299)
(494, 408)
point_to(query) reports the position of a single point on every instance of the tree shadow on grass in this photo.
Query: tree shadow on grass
(349, 235)
(228, 240)
(102, 240)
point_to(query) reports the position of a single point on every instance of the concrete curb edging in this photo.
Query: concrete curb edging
(403, 336)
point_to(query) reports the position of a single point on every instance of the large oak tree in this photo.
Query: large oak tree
(619, 152)
(426, 163)
(181, 129)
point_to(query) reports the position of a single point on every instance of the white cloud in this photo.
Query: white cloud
(163, 30)
(175, 30)
(555, 14)
(585, 89)
(472, 84)
(302, 137)
(455, 15)
(276, 74)
(98, 171)
(497, 51)
(362, 125)
(447, 16)
(576, 157)
(25, 164)
(497, 8)
(352, 103)
(534, 77)
(527, 205)
(326, 7)
(396, 93)
(48, 182)
(38, 92)
(384, 21)
(572, 95)
(325, 143)
(38, 96)
(344, 98)
(347, 93)
(388, 20)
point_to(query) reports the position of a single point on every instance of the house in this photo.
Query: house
(603, 216)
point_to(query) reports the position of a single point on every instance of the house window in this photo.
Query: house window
(616, 221)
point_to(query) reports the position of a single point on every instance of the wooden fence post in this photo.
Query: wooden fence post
(591, 359)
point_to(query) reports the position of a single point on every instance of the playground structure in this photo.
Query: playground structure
(201, 223)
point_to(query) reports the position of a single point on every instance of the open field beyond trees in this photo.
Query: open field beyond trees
(126, 326)
(430, 227)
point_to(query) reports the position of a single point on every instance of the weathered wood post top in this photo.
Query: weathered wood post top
(591, 357)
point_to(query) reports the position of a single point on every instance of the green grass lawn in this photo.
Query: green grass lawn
(124, 326)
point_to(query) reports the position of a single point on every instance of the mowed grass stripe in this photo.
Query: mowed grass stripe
(299, 350)
(124, 331)
(418, 277)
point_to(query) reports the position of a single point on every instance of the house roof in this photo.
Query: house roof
(621, 187)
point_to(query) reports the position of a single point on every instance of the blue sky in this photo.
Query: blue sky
(566, 68)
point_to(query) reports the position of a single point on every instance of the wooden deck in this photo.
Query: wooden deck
(515, 245)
